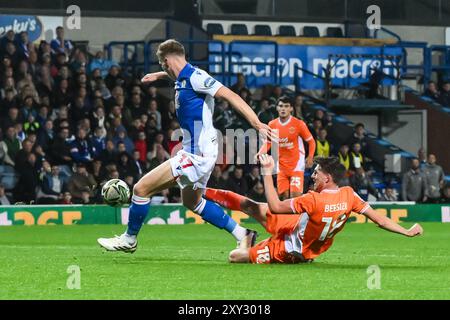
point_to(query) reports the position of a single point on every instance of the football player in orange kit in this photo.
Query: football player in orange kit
(304, 227)
(292, 133)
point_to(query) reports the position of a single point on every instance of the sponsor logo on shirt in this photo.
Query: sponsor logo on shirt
(209, 82)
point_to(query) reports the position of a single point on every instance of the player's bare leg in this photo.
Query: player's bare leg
(153, 182)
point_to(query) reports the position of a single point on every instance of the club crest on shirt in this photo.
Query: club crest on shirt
(209, 82)
(291, 130)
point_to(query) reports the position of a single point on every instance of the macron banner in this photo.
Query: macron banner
(354, 67)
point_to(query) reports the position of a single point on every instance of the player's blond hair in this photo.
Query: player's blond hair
(170, 46)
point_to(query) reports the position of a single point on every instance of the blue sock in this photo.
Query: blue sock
(212, 213)
(138, 212)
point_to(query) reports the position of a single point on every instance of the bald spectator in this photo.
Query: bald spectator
(434, 175)
(414, 183)
(82, 183)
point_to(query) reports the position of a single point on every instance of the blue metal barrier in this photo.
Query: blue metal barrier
(445, 51)
(134, 63)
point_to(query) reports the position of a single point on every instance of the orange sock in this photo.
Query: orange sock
(225, 198)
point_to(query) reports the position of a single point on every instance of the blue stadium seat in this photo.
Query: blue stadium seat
(214, 28)
(6, 169)
(311, 32)
(334, 32)
(287, 31)
(356, 30)
(239, 29)
(262, 30)
(9, 181)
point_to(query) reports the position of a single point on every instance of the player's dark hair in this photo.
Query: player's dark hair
(331, 166)
(285, 99)
(170, 46)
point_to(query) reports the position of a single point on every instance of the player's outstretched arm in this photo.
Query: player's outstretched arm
(389, 225)
(243, 108)
(152, 77)
(275, 205)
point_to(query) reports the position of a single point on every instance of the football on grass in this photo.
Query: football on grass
(116, 192)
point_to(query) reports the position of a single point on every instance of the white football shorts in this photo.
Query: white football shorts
(192, 170)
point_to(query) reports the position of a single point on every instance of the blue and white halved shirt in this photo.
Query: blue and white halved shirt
(194, 101)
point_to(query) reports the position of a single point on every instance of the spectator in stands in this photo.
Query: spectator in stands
(344, 157)
(323, 146)
(237, 182)
(7, 38)
(10, 146)
(444, 97)
(298, 107)
(67, 199)
(139, 164)
(23, 45)
(277, 92)
(315, 128)
(152, 111)
(81, 149)
(126, 167)
(61, 44)
(362, 184)
(356, 157)
(217, 181)
(422, 156)
(4, 199)
(11, 119)
(141, 145)
(21, 158)
(82, 184)
(240, 83)
(98, 141)
(109, 155)
(224, 116)
(268, 111)
(359, 136)
(114, 78)
(160, 158)
(432, 91)
(53, 185)
(389, 194)
(104, 65)
(121, 136)
(445, 194)
(28, 182)
(434, 175)
(253, 177)
(414, 183)
(60, 150)
(257, 193)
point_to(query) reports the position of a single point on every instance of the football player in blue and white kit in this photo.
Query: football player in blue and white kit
(192, 166)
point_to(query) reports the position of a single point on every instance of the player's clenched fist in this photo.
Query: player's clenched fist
(415, 230)
(267, 164)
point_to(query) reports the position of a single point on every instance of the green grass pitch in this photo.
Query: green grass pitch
(190, 262)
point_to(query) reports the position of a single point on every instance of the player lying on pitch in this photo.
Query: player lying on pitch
(304, 227)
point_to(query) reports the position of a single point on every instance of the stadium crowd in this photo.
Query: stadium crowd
(71, 121)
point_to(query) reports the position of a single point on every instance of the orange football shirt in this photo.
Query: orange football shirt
(323, 215)
(291, 150)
